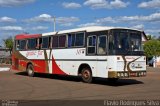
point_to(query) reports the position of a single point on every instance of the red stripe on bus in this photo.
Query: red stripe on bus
(56, 69)
(25, 36)
(39, 66)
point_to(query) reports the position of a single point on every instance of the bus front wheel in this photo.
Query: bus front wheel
(30, 70)
(87, 75)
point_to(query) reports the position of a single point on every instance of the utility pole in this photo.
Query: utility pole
(54, 18)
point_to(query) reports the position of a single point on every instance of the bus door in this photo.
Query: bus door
(102, 56)
(91, 52)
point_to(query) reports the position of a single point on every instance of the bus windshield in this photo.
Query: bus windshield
(125, 42)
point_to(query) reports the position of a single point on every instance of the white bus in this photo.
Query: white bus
(89, 52)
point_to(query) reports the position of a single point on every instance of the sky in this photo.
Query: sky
(37, 16)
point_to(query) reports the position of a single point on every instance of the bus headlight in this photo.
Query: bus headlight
(140, 73)
(126, 75)
(118, 74)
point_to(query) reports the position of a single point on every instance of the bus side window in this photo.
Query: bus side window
(55, 42)
(17, 45)
(69, 40)
(91, 43)
(39, 45)
(45, 42)
(32, 43)
(76, 39)
(102, 44)
(79, 39)
(62, 41)
(22, 44)
(72, 40)
(111, 43)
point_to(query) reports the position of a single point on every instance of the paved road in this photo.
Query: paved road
(18, 86)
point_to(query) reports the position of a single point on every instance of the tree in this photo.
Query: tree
(159, 38)
(152, 48)
(8, 43)
(150, 37)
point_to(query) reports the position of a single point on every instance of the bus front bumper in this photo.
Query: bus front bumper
(126, 74)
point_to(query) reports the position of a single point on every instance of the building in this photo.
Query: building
(5, 56)
(157, 63)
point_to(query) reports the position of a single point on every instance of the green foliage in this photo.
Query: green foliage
(159, 38)
(151, 37)
(152, 48)
(8, 43)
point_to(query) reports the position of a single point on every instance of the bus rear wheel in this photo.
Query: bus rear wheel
(30, 70)
(86, 75)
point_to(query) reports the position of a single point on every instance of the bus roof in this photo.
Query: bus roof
(87, 29)
(83, 29)
(25, 36)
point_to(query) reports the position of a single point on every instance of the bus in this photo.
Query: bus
(88, 52)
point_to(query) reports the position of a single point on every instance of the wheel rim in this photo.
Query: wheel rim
(30, 71)
(86, 74)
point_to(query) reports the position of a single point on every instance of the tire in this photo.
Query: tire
(30, 70)
(86, 75)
